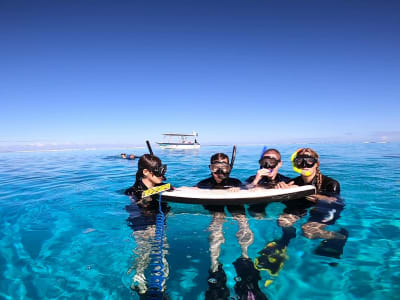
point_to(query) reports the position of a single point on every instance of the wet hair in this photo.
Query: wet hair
(318, 174)
(272, 150)
(219, 156)
(149, 162)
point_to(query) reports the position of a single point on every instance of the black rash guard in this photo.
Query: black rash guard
(269, 182)
(329, 186)
(227, 183)
(210, 183)
(323, 212)
(143, 212)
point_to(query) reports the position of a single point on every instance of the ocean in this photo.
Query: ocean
(64, 232)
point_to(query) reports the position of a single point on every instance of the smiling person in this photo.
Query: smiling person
(143, 217)
(267, 176)
(327, 204)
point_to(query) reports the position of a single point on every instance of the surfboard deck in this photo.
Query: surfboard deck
(194, 195)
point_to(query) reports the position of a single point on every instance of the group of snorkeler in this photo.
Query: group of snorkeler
(325, 205)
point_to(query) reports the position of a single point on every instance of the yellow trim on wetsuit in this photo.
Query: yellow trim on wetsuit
(156, 190)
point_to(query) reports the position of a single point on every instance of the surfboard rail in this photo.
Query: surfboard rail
(259, 195)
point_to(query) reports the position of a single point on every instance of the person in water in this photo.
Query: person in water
(130, 156)
(142, 218)
(267, 176)
(326, 204)
(248, 284)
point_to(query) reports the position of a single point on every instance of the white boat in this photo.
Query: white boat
(180, 141)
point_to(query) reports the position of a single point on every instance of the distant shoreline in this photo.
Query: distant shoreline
(126, 148)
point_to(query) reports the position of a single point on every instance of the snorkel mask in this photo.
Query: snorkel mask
(302, 161)
(267, 162)
(220, 167)
(160, 171)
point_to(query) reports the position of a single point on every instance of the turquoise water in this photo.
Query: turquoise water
(64, 233)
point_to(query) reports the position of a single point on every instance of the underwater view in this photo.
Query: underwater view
(65, 231)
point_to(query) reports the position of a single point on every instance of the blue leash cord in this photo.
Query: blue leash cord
(157, 277)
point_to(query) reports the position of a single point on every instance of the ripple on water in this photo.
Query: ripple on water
(64, 233)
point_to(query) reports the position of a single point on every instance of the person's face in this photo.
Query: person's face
(307, 162)
(271, 161)
(152, 178)
(219, 176)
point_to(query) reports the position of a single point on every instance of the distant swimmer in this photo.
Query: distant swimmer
(129, 156)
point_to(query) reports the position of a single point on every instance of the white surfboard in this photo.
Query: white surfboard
(196, 195)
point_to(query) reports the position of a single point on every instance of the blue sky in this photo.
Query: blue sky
(110, 72)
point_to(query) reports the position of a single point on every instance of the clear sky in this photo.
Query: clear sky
(94, 71)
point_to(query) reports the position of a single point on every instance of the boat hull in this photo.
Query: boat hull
(178, 146)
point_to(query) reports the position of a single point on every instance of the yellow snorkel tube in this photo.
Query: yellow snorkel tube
(296, 169)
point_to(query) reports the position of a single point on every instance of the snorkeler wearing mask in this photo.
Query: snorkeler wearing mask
(248, 285)
(220, 170)
(267, 176)
(325, 205)
(143, 217)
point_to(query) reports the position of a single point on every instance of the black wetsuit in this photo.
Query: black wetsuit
(210, 183)
(323, 212)
(143, 213)
(267, 182)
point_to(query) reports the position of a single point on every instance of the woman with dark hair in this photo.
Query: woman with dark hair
(143, 215)
(149, 174)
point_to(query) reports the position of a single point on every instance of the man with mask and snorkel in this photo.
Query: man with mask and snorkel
(249, 276)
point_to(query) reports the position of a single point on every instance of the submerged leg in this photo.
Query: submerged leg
(142, 251)
(244, 235)
(216, 238)
(333, 243)
(315, 230)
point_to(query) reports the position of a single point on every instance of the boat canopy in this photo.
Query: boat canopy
(181, 134)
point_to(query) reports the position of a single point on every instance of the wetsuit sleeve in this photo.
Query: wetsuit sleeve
(250, 179)
(284, 179)
(332, 187)
(236, 182)
(130, 191)
(297, 181)
(204, 184)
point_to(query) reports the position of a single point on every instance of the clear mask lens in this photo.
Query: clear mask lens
(220, 167)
